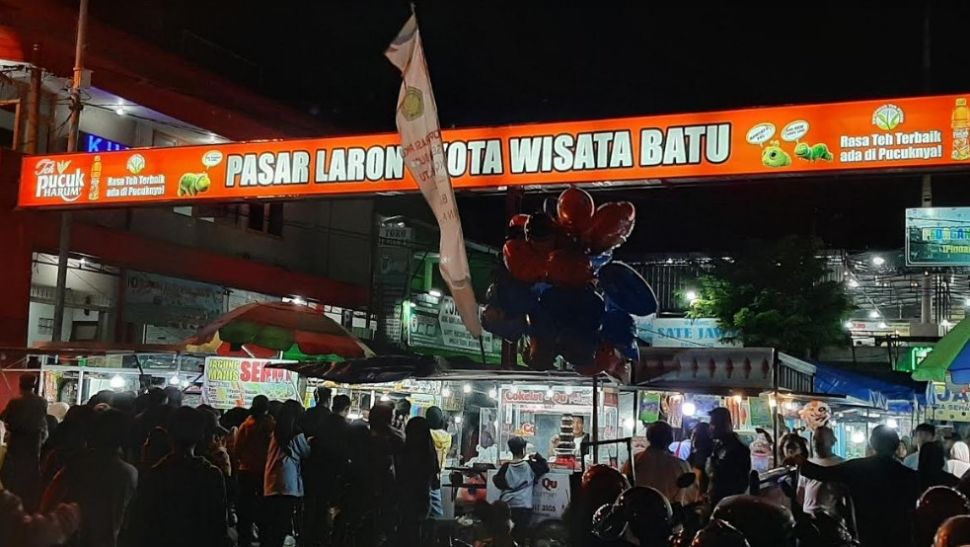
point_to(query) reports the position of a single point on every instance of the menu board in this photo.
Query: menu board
(232, 381)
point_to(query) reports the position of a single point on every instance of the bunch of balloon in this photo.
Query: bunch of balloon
(561, 288)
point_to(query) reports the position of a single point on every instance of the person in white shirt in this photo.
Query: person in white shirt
(657, 468)
(816, 494)
(924, 433)
(959, 462)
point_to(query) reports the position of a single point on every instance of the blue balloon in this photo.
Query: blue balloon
(502, 324)
(631, 351)
(618, 328)
(627, 289)
(578, 345)
(600, 260)
(514, 297)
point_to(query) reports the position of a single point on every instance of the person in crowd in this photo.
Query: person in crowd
(283, 480)
(67, 443)
(250, 448)
(58, 410)
(903, 450)
(792, 445)
(924, 433)
(884, 491)
(173, 396)
(353, 496)
(274, 408)
(100, 482)
(682, 448)
(157, 413)
(416, 478)
(701, 447)
(387, 446)
(959, 462)
(22, 529)
(402, 413)
(515, 480)
(580, 436)
(314, 417)
(657, 468)
(25, 417)
(931, 467)
(182, 499)
(730, 462)
(102, 399)
(815, 494)
(213, 447)
(324, 473)
(124, 402)
(442, 444)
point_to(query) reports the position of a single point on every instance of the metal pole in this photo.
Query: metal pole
(33, 109)
(926, 295)
(64, 242)
(596, 421)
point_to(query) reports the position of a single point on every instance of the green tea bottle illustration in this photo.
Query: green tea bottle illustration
(95, 178)
(960, 122)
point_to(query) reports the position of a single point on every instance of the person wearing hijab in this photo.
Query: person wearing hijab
(959, 462)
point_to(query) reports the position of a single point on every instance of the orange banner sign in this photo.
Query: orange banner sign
(924, 132)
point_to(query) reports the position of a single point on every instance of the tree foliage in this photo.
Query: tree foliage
(776, 295)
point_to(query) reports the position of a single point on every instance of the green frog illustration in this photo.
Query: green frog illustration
(774, 156)
(813, 152)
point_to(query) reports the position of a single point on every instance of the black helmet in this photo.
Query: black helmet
(825, 529)
(648, 515)
(763, 523)
(608, 523)
(718, 533)
(954, 532)
(933, 508)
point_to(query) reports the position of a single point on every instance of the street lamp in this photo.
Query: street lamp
(852, 283)
(878, 260)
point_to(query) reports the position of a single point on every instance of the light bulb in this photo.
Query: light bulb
(628, 423)
(117, 382)
(385, 398)
(435, 293)
(873, 314)
(858, 437)
(467, 388)
(446, 391)
(493, 393)
(120, 111)
(892, 423)
(878, 260)
(688, 409)
(882, 325)
(175, 380)
(458, 419)
(549, 393)
(852, 283)
(772, 402)
(690, 296)
(738, 399)
(848, 325)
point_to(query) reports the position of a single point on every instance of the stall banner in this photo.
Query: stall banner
(649, 406)
(439, 329)
(681, 332)
(229, 382)
(938, 236)
(550, 495)
(919, 133)
(760, 411)
(946, 402)
(577, 401)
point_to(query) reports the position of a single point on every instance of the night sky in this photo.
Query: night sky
(501, 62)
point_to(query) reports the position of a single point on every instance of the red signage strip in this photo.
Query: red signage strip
(924, 132)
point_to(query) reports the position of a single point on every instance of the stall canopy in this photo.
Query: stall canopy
(864, 389)
(951, 354)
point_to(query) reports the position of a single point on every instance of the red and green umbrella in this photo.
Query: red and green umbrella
(267, 330)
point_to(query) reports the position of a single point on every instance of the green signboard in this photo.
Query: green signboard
(437, 329)
(938, 236)
(911, 359)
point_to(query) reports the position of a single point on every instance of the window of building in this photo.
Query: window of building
(10, 123)
(266, 218)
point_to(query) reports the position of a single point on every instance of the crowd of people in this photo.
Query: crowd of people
(144, 471)
(126, 470)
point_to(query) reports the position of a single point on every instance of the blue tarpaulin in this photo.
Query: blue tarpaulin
(871, 391)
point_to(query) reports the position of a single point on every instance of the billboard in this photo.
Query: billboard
(921, 132)
(229, 382)
(938, 236)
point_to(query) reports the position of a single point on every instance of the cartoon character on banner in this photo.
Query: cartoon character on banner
(560, 287)
(815, 414)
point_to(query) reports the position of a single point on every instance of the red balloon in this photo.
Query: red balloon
(610, 361)
(540, 354)
(575, 209)
(611, 226)
(569, 269)
(518, 221)
(523, 261)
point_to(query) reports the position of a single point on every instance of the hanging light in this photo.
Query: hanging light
(434, 293)
(493, 393)
(848, 325)
(174, 380)
(458, 419)
(892, 423)
(878, 260)
(873, 314)
(117, 382)
(852, 283)
(550, 393)
(466, 389)
(738, 399)
(688, 409)
(446, 391)
(882, 325)
(628, 423)
(385, 398)
(858, 437)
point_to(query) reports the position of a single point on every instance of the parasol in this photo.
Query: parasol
(951, 354)
(268, 330)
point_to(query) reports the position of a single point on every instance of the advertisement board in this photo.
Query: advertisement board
(921, 132)
(938, 236)
(946, 403)
(681, 332)
(229, 382)
(438, 329)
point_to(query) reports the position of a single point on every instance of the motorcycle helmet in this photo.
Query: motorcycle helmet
(933, 508)
(648, 515)
(718, 533)
(954, 532)
(763, 523)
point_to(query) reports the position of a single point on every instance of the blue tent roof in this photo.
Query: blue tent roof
(872, 391)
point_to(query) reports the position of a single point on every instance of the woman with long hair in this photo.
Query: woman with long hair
(419, 470)
(442, 444)
(283, 481)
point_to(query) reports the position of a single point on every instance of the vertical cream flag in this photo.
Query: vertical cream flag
(424, 155)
